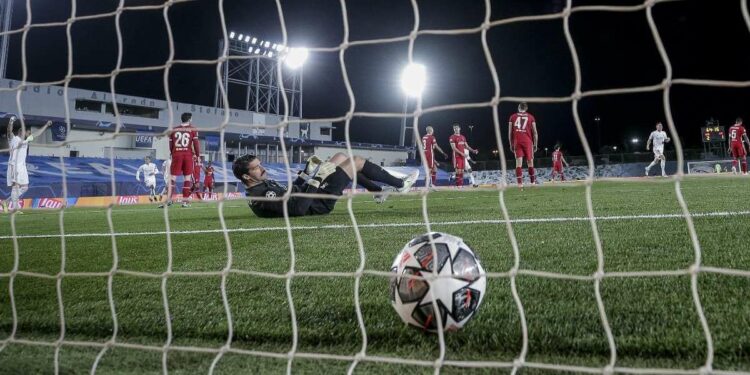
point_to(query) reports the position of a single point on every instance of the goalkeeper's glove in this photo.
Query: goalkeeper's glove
(30, 138)
(323, 171)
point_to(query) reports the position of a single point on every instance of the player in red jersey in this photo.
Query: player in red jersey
(208, 180)
(183, 144)
(458, 144)
(557, 164)
(197, 169)
(738, 134)
(429, 145)
(523, 141)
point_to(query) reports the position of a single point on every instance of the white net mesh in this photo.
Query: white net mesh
(520, 362)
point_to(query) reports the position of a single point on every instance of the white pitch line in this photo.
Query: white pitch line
(396, 225)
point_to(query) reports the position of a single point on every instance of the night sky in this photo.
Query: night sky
(532, 59)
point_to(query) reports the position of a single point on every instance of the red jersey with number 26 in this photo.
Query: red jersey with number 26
(557, 157)
(460, 142)
(184, 140)
(428, 142)
(522, 124)
(736, 132)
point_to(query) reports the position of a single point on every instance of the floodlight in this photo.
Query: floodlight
(239, 37)
(247, 38)
(635, 140)
(413, 79)
(296, 57)
(270, 54)
(231, 35)
(254, 40)
(257, 51)
(268, 44)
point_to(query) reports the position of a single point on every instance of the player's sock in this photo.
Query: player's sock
(376, 173)
(652, 164)
(734, 165)
(519, 175)
(366, 183)
(14, 198)
(663, 163)
(532, 175)
(472, 181)
(562, 176)
(744, 165)
(22, 190)
(459, 179)
(433, 178)
(186, 189)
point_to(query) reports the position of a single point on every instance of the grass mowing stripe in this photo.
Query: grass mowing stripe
(397, 225)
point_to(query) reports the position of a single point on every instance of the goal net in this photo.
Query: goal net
(594, 277)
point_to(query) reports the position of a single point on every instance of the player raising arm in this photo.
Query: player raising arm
(458, 145)
(523, 139)
(737, 139)
(429, 145)
(329, 178)
(658, 137)
(183, 144)
(557, 164)
(149, 171)
(17, 175)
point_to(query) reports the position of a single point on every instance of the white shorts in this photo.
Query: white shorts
(17, 174)
(150, 181)
(658, 151)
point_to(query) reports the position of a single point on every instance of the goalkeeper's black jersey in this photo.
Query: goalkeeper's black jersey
(297, 206)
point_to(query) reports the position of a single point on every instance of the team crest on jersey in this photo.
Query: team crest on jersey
(270, 194)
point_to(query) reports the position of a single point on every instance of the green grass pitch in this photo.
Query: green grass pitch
(654, 320)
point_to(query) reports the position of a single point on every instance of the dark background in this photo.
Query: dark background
(704, 39)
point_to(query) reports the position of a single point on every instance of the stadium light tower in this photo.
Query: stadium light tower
(413, 81)
(296, 57)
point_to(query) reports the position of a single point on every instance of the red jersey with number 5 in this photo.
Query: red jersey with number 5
(184, 140)
(736, 133)
(522, 124)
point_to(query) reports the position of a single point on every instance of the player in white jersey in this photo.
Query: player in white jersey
(149, 171)
(467, 168)
(18, 175)
(166, 167)
(659, 137)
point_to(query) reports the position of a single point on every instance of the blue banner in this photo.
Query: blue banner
(59, 131)
(143, 140)
(212, 143)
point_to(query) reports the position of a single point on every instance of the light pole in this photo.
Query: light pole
(598, 120)
(413, 80)
(471, 132)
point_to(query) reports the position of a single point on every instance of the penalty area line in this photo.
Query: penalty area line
(396, 225)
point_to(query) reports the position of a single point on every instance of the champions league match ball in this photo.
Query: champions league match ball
(458, 290)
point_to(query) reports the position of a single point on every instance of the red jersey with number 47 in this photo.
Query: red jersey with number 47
(522, 124)
(460, 142)
(428, 142)
(184, 140)
(736, 133)
(557, 157)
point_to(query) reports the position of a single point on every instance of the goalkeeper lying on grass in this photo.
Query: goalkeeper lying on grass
(319, 177)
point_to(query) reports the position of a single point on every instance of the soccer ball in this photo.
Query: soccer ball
(458, 291)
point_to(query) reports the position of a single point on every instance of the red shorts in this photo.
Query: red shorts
(459, 163)
(208, 182)
(557, 167)
(738, 150)
(182, 165)
(429, 160)
(524, 151)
